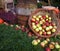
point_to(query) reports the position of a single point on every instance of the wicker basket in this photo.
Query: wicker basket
(43, 12)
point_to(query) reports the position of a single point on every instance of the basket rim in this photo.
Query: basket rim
(29, 23)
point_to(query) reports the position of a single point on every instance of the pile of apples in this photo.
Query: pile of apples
(43, 25)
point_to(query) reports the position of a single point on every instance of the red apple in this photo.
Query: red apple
(44, 26)
(33, 20)
(44, 17)
(47, 23)
(48, 49)
(36, 22)
(44, 33)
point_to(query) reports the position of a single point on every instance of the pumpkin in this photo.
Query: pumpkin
(1, 21)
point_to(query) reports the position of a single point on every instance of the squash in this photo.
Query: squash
(1, 21)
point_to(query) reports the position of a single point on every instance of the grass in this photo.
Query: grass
(16, 40)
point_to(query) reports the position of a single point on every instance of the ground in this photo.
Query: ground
(16, 40)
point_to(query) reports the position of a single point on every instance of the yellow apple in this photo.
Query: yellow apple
(41, 22)
(34, 42)
(39, 16)
(37, 19)
(42, 44)
(34, 16)
(40, 28)
(48, 39)
(33, 23)
(50, 27)
(38, 40)
(53, 30)
(34, 27)
(38, 25)
(47, 16)
(55, 27)
(37, 29)
(49, 32)
(40, 32)
(47, 28)
(43, 30)
(51, 46)
(45, 41)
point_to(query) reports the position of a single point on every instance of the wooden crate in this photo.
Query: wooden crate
(22, 19)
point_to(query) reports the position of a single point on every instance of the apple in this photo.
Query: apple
(49, 32)
(34, 27)
(34, 17)
(48, 39)
(49, 18)
(36, 22)
(50, 27)
(37, 19)
(53, 30)
(37, 29)
(57, 46)
(55, 27)
(44, 33)
(34, 42)
(51, 46)
(41, 22)
(40, 32)
(42, 44)
(33, 23)
(45, 41)
(53, 43)
(38, 40)
(38, 25)
(47, 49)
(47, 28)
(47, 23)
(44, 26)
(39, 16)
(11, 25)
(40, 28)
(44, 17)
(43, 30)
(33, 20)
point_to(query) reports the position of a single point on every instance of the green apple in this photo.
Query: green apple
(34, 42)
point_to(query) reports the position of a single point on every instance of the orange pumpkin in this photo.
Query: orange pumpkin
(1, 21)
